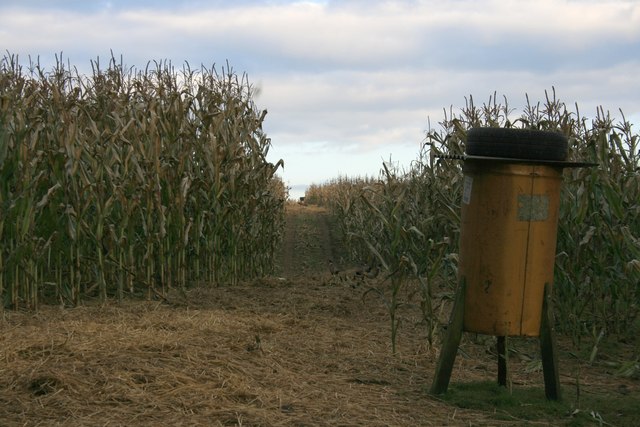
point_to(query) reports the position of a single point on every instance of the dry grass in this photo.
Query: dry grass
(270, 353)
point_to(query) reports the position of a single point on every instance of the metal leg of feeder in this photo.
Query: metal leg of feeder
(502, 361)
(548, 349)
(450, 345)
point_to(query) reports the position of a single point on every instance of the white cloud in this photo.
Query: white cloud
(347, 83)
(343, 34)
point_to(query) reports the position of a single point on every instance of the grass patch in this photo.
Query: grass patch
(529, 405)
(522, 403)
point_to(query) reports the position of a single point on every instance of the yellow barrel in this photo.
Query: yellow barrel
(507, 244)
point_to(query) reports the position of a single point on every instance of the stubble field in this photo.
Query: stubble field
(301, 348)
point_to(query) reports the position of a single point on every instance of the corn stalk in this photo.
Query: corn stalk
(131, 181)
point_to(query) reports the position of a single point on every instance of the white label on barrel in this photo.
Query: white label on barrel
(533, 207)
(466, 193)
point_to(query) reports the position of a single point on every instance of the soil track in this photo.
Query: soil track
(310, 241)
(301, 348)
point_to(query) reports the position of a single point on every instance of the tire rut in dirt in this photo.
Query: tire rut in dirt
(332, 248)
(310, 241)
(286, 258)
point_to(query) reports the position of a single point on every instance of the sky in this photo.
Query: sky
(349, 84)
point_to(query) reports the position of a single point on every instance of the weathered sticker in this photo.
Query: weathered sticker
(533, 207)
(466, 192)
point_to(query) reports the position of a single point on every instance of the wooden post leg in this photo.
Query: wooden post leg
(548, 349)
(450, 345)
(502, 361)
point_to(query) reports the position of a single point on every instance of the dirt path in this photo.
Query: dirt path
(310, 241)
(296, 349)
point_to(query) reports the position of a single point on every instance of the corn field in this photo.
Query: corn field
(408, 220)
(131, 182)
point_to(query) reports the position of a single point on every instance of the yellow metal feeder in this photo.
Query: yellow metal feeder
(510, 208)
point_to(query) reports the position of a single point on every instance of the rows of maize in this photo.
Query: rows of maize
(408, 220)
(124, 181)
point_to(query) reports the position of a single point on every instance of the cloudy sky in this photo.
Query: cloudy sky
(351, 83)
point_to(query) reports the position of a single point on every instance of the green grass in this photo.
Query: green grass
(528, 404)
